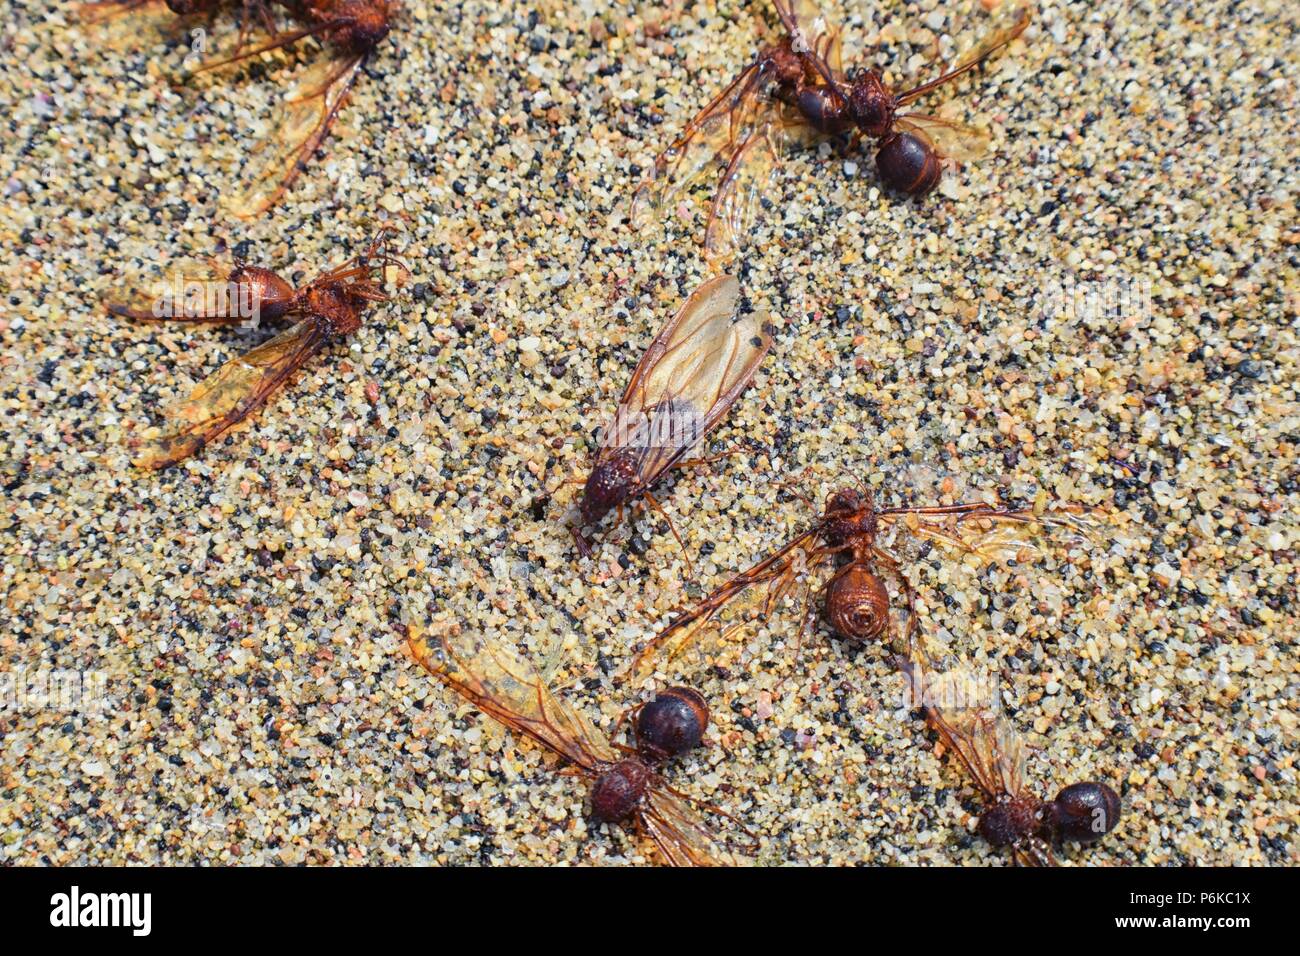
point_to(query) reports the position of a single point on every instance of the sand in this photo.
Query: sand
(1103, 311)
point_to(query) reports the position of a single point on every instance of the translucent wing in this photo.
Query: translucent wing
(986, 533)
(681, 834)
(963, 708)
(745, 182)
(711, 138)
(232, 393)
(499, 682)
(991, 43)
(756, 592)
(190, 291)
(692, 373)
(304, 118)
(952, 140)
(133, 24)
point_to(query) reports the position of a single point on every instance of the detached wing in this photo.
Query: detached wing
(963, 708)
(124, 25)
(681, 834)
(1016, 23)
(984, 533)
(693, 372)
(752, 594)
(301, 124)
(952, 140)
(744, 186)
(711, 138)
(232, 393)
(499, 682)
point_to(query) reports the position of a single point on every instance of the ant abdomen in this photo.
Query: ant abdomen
(1085, 812)
(909, 164)
(268, 294)
(671, 724)
(823, 109)
(857, 604)
(616, 793)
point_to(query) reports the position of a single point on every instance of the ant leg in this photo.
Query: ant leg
(708, 459)
(788, 486)
(628, 715)
(584, 546)
(913, 625)
(690, 568)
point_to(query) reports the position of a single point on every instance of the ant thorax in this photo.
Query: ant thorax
(618, 791)
(871, 104)
(850, 516)
(1011, 821)
(336, 308)
(361, 23)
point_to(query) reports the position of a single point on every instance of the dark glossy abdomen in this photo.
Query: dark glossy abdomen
(908, 164)
(672, 723)
(1085, 812)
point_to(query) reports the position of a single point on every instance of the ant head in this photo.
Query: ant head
(364, 22)
(848, 500)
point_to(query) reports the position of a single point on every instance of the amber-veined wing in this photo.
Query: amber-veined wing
(964, 709)
(951, 140)
(232, 393)
(755, 593)
(133, 24)
(688, 378)
(709, 140)
(302, 121)
(502, 684)
(987, 533)
(747, 178)
(190, 290)
(991, 43)
(681, 834)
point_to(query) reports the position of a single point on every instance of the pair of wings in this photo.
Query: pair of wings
(689, 377)
(502, 684)
(232, 393)
(746, 131)
(303, 115)
(963, 708)
(978, 533)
